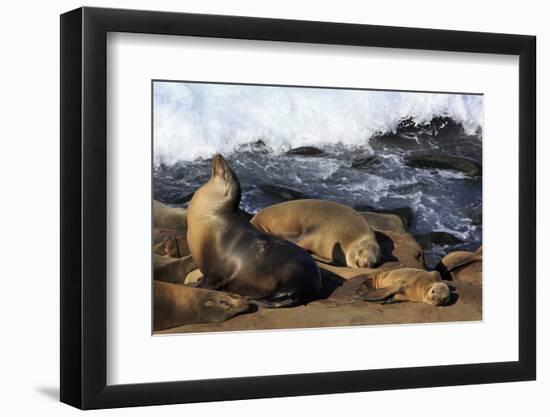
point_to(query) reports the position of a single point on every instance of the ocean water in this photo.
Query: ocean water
(362, 137)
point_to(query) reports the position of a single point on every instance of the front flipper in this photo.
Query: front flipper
(277, 300)
(208, 282)
(379, 294)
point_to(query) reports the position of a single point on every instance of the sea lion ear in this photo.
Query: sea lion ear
(209, 303)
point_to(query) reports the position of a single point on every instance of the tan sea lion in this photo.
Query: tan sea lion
(329, 230)
(236, 257)
(176, 305)
(462, 266)
(173, 270)
(406, 284)
(164, 217)
(172, 246)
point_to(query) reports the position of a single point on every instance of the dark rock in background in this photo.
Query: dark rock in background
(305, 151)
(441, 161)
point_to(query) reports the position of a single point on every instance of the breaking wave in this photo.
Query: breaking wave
(197, 120)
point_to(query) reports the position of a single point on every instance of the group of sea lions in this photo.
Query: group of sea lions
(211, 262)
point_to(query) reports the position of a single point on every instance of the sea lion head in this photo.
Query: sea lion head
(171, 247)
(219, 306)
(223, 188)
(437, 294)
(364, 254)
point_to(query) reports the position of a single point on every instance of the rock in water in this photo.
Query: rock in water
(283, 193)
(441, 161)
(438, 238)
(365, 161)
(305, 151)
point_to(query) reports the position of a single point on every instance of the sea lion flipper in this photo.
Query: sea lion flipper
(275, 301)
(379, 294)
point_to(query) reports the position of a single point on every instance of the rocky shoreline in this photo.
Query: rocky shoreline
(339, 304)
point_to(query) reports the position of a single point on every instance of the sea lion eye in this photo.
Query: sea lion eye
(224, 304)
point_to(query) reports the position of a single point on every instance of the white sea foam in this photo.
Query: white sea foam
(193, 120)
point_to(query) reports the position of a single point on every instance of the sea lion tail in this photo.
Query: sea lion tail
(277, 300)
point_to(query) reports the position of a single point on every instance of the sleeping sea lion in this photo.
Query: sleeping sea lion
(236, 257)
(176, 305)
(173, 270)
(406, 284)
(172, 246)
(165, 217)
(462, 266)
(329, 230)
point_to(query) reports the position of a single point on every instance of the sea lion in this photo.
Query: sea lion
(176, 305)
(173, 270)
(329, 230)
(462, 266)
(236, 257)
(406, 284)
(172, 246)
(165, 217)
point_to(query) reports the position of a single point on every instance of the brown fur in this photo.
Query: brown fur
(165, 217)
(173, 270)
(406, 284)
(172, 246)
(176, 305)
(236, 257)
(329, 230)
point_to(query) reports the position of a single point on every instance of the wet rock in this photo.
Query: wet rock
(404, 142)
(438, 238)
(442, 161)
(283, 193)
(365, 161)
(476, 214)
(305, 151)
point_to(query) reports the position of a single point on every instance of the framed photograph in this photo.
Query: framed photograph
(258, 207)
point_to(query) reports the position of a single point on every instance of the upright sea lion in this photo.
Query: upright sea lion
(406, 284)
(176, 305)
(327, 229)
(236, 257)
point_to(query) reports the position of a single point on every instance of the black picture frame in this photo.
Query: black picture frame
(84, 207)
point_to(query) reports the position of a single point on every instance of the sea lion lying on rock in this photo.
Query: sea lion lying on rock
(329, 230)
(176, 305)
(172, 246)
(165, 217)
(173, 270)
(406, 284)
(236, 257)
(462, 266)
